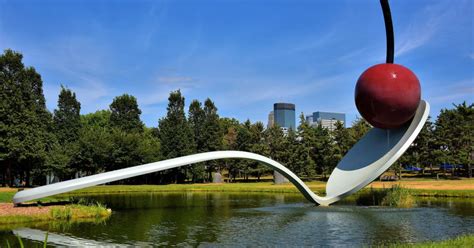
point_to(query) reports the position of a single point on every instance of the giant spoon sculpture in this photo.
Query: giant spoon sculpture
(387, 96)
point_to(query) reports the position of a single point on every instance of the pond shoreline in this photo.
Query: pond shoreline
(462, 188)
(10, 214)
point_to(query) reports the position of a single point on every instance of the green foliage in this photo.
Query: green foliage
(175, 134)
(24, 118)
(196, 117)
(125, 114)
(61, 213)
(94, 145)
(258, 146)
(396, 196)
(454, 132)
(322, 150)
(63, 144)
(67, 118)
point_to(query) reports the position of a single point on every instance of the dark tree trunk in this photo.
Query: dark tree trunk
(3, 174)
(27, 179)
(9, 178)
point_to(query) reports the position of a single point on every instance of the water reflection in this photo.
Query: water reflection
(253, 219)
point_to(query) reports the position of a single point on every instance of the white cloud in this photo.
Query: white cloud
(426, 25)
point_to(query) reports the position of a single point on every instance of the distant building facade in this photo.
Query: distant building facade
(326, 119)
(271, 120)
(284, 115)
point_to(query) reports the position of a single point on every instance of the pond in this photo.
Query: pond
(254, 219)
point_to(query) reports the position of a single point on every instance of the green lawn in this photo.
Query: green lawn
(465, 241)
(418, 188)
(6, 196)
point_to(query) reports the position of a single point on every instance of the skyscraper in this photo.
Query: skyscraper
(284, 114)
(326, 119)
(271, 120)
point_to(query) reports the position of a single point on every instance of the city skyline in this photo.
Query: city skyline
(307, 53)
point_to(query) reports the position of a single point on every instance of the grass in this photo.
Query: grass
(67, 212)
(396, 196)
(420, 188)
(423, 188)
(466, 241)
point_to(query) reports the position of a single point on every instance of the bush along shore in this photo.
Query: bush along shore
(396, 196)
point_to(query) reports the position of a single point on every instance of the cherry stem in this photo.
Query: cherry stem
(387, 16)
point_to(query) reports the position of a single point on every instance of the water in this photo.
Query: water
(254, 219)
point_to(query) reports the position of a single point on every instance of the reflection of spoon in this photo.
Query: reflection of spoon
(367, 160)
(60, 239)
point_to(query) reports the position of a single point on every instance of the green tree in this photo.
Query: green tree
(175, 134)
(66, 128)
(25, 121)
(359, 128)
(196, 117)
(322, 151)
(125, 114)
(212, 134)
(67, 118)
(229, 129)
(276, 142)
(343, 141)
(301, 160)
(454, 134)
(259, 146)
(95, 144)
(244, 143)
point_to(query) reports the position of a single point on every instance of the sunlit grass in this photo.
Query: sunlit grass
(464, 241)
(67, 212)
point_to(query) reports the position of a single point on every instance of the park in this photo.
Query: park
(84, 166)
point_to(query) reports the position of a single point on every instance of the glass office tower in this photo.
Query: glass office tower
(284, 114)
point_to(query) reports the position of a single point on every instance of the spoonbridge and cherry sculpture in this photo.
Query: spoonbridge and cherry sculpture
(387, 96)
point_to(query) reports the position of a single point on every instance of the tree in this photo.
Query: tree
(95, 144)
(454, 132)
(174, 133)
(229, 129)
(196, 119)
(343, 141)
(259, 146)
(66, 129)
(303, 143)
(322, 151)
(359, 128)
(244, 143)
(276, 142)
(125, 114)
(67, 118)
(212, 134)
(24, 118)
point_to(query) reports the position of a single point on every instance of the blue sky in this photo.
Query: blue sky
(244, 55)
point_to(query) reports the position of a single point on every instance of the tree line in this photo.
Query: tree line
(35, 142)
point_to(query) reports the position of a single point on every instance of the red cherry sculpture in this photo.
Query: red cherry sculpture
(387, 95)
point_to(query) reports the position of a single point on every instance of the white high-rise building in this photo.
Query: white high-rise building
(326, 119)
